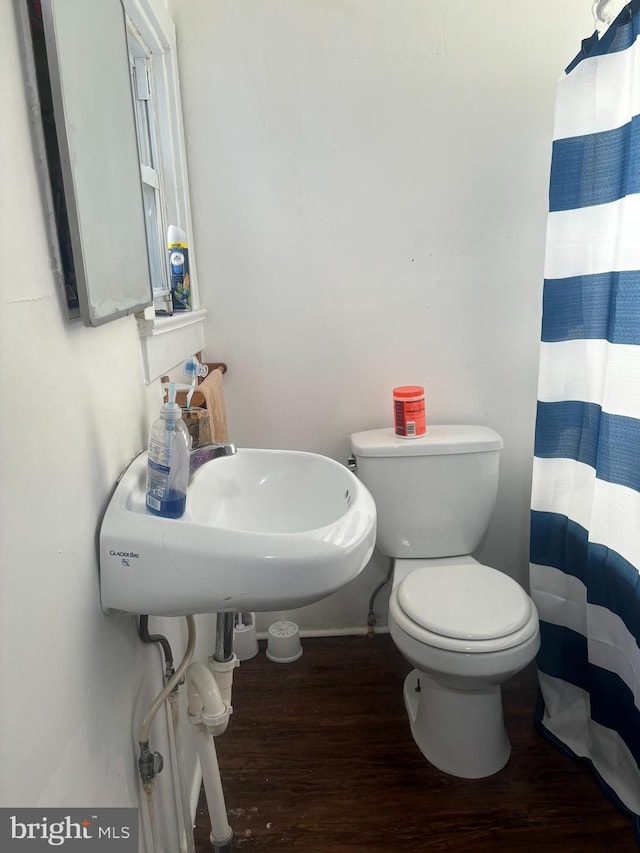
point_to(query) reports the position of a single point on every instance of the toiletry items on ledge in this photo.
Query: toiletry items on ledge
(179, 269)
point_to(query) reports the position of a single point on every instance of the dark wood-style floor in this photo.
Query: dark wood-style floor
(318, 757)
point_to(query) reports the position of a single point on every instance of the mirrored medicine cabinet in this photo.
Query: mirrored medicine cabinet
(84, 128)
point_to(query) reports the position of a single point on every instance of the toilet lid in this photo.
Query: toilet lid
(467, 602)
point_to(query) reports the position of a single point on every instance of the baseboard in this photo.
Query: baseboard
(332, 632)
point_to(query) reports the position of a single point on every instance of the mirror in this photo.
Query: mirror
(99, 168)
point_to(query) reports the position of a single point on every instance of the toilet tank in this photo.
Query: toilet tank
(435, 494)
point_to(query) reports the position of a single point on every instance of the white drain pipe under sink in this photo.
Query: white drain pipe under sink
(210, 715)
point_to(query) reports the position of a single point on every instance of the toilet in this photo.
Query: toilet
(464, 627)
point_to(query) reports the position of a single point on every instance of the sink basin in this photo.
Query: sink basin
(262, 530)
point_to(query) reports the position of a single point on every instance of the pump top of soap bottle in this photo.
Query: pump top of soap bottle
(171, 411)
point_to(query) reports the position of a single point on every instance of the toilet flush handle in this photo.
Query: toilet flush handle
(352, 465)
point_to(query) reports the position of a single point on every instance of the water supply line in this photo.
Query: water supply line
(187, 841)
(161, 640)
(208, 711)
(151, 763)
(143, 738)
(371, 617)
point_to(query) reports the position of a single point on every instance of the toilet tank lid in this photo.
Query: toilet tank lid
(438, 440)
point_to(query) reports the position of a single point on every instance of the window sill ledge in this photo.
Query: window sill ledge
(166, 341)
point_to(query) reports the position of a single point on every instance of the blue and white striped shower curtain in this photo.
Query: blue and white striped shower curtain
(585, 510)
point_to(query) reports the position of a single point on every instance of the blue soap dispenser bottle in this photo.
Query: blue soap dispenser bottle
(168, 461)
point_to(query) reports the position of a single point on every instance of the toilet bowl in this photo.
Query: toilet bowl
(466, 628)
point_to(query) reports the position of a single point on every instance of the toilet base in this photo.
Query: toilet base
(459, 731)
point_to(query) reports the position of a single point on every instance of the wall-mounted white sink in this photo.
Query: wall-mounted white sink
(262, 530)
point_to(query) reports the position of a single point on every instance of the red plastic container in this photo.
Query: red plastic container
(408, 411)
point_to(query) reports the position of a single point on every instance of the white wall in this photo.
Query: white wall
(75, 683)
(369, 189)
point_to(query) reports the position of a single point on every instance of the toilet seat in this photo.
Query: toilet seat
(463, 607)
